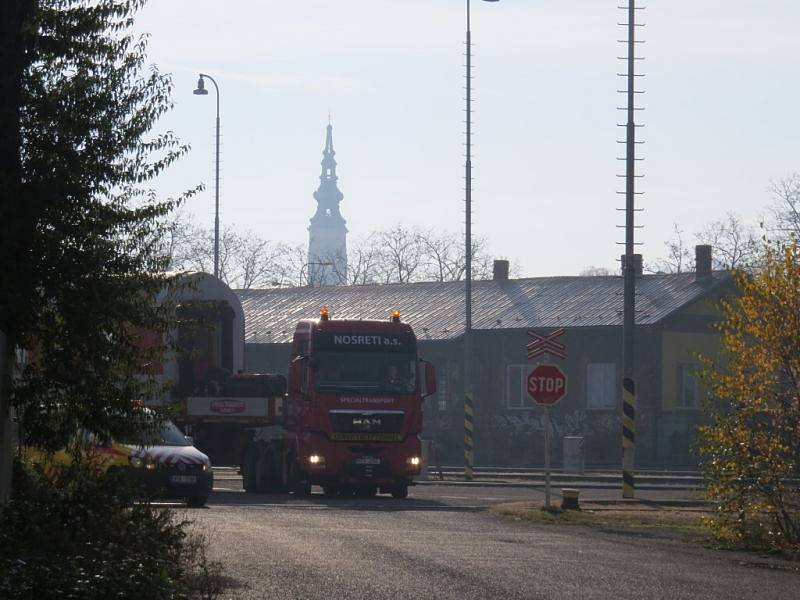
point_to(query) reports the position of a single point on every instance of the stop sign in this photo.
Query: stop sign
(547, 384)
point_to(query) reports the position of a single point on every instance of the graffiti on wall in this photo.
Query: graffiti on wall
(576, 422)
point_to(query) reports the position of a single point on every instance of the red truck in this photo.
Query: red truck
(352, 416)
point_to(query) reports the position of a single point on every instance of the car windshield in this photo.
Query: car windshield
(365, 372)
(167, 434)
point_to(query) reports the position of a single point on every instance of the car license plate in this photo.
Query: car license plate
(183, 479)
(368, 460)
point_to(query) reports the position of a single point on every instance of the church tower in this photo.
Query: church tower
(327, 234)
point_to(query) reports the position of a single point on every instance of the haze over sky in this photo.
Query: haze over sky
(720, 121)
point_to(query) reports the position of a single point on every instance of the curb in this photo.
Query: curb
(556, 485)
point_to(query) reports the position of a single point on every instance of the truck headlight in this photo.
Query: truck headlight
(316, 459)
(136, 462)
(414, 461)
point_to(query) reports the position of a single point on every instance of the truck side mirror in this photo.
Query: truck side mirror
(295, 374)
(430, 379)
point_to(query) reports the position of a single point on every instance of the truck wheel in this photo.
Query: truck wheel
(400, 491)
(302, 489)
(297, 483)
(331, 491)
(366, 492)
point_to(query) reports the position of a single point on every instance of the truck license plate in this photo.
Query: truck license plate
(183, 479)
(368, 460)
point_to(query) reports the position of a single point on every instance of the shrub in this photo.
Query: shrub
(82, 535)
(751, 450)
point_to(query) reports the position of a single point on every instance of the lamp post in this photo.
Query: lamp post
(202, 91)
(468, 394)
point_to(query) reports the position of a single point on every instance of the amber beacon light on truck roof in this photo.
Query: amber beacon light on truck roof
(324, 315)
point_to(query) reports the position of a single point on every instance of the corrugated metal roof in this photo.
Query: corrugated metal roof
(436, 310)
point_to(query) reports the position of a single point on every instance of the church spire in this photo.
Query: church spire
(328, 162)
(327, 244)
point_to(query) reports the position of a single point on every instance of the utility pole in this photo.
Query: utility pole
(629, 269)
(468, 397)
(469, 412)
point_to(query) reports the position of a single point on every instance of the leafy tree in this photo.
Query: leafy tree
(752, 449)
(82, 270)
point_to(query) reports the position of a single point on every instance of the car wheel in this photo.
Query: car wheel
(196, 501)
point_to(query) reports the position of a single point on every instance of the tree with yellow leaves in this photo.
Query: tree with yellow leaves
(751, 450)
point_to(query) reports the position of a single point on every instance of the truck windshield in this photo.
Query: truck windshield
(366, 372)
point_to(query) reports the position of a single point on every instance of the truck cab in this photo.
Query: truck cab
(353, 413)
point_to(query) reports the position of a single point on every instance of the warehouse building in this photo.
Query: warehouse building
(675, 315)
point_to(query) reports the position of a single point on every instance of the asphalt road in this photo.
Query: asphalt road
(442, 543)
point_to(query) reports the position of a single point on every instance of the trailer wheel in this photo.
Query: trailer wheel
(259, 471)
(248, 472)
(400, 491)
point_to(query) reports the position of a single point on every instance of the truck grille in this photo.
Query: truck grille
(367, 421)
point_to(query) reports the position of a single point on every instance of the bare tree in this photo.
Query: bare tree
(734, 244)
(592, 271)
(400, 254)
(445, 258)
(679, 255)
(784, 224)
(245, 260)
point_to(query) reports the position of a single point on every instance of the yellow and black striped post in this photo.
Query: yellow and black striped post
(468, 429)
(628, 436)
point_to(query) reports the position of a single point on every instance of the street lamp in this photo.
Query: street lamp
(202, 91)
(468, 395)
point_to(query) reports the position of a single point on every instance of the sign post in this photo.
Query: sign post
(547, 384)
(547, 457)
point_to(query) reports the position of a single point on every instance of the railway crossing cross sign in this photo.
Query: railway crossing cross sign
(547, 384)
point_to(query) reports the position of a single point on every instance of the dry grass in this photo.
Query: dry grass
(686, 522)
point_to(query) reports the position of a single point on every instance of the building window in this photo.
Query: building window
(516, 392)
(601, 385)
(687, 386)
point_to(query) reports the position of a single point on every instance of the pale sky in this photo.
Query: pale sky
(720, 121)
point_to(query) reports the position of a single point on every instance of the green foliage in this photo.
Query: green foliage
(752, 450)
(84, 276)
(84, 537)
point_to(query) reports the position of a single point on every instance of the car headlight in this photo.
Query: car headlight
(136, 462)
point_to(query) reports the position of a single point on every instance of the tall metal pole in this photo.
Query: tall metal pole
(468, 397)
(629, 293)
(201, 91)
(216, 199)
